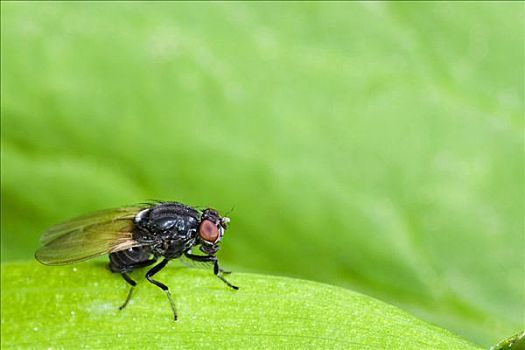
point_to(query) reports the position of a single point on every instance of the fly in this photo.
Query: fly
(137, 236)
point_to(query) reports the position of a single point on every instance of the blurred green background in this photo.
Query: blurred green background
(375, 146)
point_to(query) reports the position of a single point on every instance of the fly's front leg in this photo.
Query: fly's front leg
(217, 272)
(224, 272)
(216, 269)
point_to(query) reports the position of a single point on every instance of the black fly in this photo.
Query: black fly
(137, 236)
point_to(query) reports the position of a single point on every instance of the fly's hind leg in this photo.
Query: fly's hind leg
(133, 284)
(123, 263)
(131, 281)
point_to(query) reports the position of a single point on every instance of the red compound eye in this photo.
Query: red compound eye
(208, 231)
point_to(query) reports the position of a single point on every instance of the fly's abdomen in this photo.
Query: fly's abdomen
(126, 260)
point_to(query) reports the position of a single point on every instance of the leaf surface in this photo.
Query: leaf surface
(77, 307)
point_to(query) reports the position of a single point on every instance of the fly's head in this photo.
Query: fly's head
(210, 231)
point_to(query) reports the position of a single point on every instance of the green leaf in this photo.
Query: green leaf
(515, 342)
(76, 307)
(376, 146)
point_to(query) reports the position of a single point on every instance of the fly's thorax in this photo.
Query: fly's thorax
(170, 228)
(167, 221)
(171, 249)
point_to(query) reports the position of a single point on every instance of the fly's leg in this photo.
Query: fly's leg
(224, 272)
(217, 272)
(216, 269)
(162, 286)
(131, 282)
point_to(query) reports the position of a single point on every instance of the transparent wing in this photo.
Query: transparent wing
(89, 236)
(92, 219)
